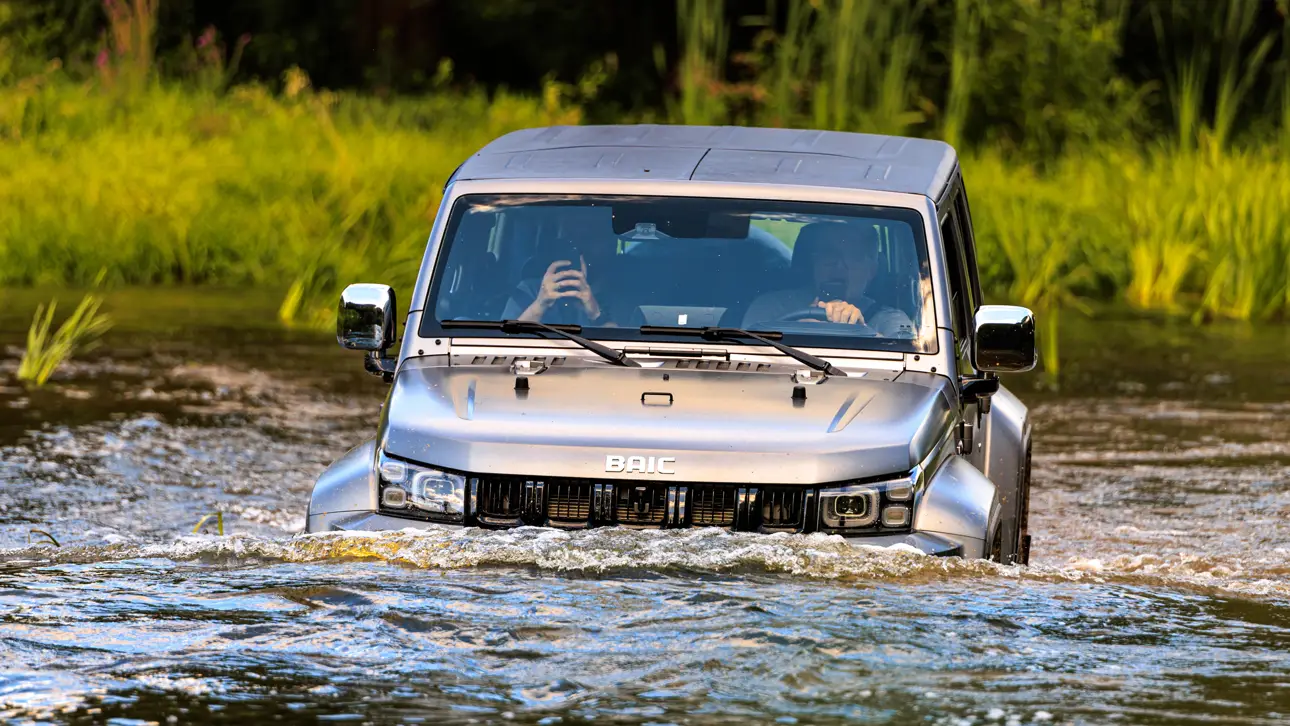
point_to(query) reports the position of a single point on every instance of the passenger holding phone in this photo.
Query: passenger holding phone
(566, 291)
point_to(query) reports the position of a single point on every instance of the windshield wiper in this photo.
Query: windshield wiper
(570, 332)
(765, 337)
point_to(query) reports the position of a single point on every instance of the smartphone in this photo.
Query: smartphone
(560, 249)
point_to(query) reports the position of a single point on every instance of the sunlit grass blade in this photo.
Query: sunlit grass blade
(219, 522)
(45, 353)
(45, 535)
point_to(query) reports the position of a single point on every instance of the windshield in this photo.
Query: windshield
(824, 275)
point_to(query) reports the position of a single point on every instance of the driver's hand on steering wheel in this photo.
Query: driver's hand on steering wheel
(841, 311)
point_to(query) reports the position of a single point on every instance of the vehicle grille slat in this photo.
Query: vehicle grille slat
(500, 501)
(782, 509)
(713, 506)
(640, 505)
(569, 501)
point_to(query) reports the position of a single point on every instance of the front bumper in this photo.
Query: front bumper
(930, 543)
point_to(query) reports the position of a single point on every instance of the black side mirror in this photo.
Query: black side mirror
(1005, 339)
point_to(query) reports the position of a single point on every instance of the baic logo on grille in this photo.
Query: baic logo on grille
(640, 464)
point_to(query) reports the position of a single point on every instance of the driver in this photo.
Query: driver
(841, 260)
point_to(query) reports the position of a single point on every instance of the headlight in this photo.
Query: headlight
(850, 506)
(412, 489)
(877, 507)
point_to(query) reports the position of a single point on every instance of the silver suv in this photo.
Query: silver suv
(762, 330)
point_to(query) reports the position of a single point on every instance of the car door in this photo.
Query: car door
(964, 288)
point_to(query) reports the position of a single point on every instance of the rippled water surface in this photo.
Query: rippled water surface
(1159, 590)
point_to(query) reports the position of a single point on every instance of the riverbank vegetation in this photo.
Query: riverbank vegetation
(1168, 192)
(47, 350)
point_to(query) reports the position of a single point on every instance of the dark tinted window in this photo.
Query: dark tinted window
(964, 217)
(960, 297)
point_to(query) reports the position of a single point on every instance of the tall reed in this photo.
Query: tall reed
(1238, 67)
(1033, 229)
(1170, 232)
(1228, 26)
(1246, 216)
(1163, 231)
(132, 30)
(865, 50)
(1283, 6)
(704, 38)
(791, 66)
(45, 353)
(179, 185)
(1184, 78)
(965, 57)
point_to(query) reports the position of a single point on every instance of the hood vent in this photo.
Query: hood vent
(663, 362)
(537, 361)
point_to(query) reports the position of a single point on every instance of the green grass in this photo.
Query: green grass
(305, 194)
(46, 352)
(1174, 232)
(174, 185)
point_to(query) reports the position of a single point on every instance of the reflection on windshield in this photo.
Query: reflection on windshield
(822, 274)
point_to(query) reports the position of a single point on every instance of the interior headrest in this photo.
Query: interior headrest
(809, 239)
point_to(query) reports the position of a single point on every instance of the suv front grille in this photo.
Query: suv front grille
(509, 501)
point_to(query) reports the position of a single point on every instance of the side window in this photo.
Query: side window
(964, 216)
(960, 288)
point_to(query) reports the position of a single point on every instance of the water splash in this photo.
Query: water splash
(608, 551)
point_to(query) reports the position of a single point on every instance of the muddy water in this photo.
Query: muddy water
(1159, 590)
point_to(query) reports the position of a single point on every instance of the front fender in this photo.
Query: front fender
(1006, 443)
(346, 487)
(961, 504)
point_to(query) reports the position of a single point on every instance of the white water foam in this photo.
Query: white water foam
(608, 550)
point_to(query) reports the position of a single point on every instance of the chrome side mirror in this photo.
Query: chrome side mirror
(1005, 339)
(365, 319)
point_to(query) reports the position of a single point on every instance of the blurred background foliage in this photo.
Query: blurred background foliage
(1116, 151)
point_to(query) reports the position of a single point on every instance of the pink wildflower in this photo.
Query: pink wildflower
(207, 37)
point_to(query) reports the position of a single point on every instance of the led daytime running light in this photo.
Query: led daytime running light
(408, 488)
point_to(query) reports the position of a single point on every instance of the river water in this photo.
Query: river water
(1159, 589)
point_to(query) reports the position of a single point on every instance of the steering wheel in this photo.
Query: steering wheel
(813, 313)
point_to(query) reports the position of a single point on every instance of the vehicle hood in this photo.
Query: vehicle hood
(720, 426)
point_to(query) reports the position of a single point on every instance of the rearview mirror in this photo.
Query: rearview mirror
(1005, 339)
(365, 319)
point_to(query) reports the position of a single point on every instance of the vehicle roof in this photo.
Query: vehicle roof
(718, 153)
